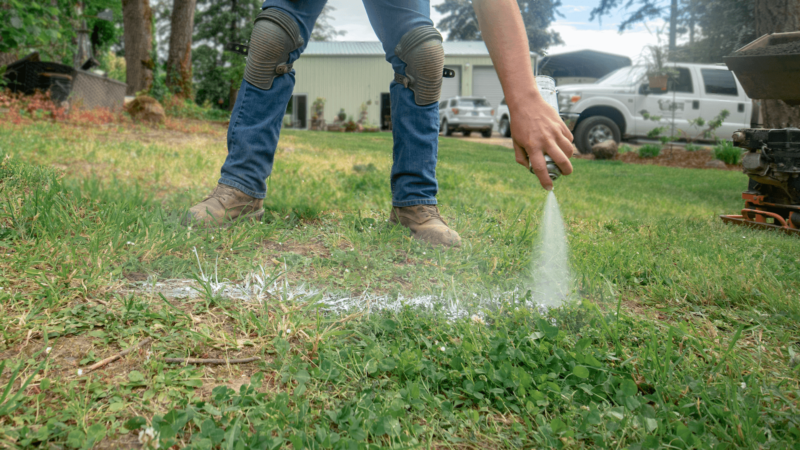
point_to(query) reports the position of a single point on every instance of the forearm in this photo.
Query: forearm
(504, 33)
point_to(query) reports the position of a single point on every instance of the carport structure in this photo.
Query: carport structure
(583, 66)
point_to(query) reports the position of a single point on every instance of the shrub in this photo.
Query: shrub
(649, 151)
(692, 147)
(727, 153)
(624, 148)
(175, 106)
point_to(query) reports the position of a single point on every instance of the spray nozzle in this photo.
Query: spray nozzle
(552, 168)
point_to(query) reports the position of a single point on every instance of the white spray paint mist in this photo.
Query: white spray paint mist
(550, 270)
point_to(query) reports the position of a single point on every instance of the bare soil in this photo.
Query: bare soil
(676, 157)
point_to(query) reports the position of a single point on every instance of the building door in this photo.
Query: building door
(301, 111)
(451, 87)
(386, 111)
(485, 83)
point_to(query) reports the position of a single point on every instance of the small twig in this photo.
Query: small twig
(119, 355)
(209, 361)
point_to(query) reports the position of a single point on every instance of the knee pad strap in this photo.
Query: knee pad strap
(275, 36)
(421, 49)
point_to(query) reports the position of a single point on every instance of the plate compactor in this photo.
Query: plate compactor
(768, 68)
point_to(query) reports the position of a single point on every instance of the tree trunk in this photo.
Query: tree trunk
(778, 16)
(233, 92)
(138, 23)
(179, 62)
(673, 26)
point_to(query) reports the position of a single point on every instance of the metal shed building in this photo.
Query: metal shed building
(349, 74)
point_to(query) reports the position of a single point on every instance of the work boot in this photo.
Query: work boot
(223, 207)
(426, 225)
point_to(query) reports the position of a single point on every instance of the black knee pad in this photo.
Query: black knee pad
(421, 49)
(275, 36)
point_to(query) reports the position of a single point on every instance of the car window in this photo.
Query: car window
(474, 102)
(443, 105)
(503, 101)
(681, 83)
(719, 82)
(453, 103)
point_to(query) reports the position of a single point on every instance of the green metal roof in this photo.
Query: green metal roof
(351, 48)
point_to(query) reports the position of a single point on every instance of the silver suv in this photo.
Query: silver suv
(466, 114)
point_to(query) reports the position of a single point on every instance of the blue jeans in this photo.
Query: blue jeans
(258, 114)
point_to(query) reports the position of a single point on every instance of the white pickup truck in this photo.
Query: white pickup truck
(613, 106)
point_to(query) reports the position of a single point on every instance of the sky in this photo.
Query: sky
(577, 32)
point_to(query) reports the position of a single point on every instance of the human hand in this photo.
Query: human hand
(536, 130)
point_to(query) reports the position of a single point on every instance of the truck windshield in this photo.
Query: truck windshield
(626, 76)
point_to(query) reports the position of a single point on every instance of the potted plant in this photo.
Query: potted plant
(658, 73)
(318, 114)
(342, 115)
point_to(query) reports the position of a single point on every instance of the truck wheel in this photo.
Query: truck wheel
(487, 133)
(595, 130)
(446, 128)
(505, 127)
(466, 133)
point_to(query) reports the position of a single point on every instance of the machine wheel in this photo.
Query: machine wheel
(595, 130)
(487, 133)
(446, 128)
(466, 133)
(505, 127)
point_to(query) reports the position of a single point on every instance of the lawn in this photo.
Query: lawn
(683, 332)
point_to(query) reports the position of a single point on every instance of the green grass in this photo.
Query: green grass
(682, 335)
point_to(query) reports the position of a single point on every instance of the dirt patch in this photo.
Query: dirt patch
(675, 157)
(307, 249)
(135, 276)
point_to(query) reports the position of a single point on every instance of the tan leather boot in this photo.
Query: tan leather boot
(426, 225)
(223, 207)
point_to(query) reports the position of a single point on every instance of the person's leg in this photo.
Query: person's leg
(414, 49)
(280, 35)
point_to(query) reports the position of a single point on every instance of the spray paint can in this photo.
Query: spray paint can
(547, 87)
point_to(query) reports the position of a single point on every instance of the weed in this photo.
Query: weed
(624, 148)
(727, 153)
(649, 151)
(675, 342)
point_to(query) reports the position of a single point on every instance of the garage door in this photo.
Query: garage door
(486, 84)
(451, 87)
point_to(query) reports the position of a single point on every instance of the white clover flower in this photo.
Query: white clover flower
(148, 437)
(288, 331)
(80, 372)
(347, 270)
(477, 319)
(743, 385)
(441, 348)
(424, 253)
(48, 349)
(130, 243)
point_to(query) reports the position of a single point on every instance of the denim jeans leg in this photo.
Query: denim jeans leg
(415, 128)
(258, 114)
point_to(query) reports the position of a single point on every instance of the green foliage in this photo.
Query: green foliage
(188, 109)
(113, 65)
(35, 25)
(711, 126)
(624, 148)
(692, 147)
(218, 23)
(25, 24)
(461, 23)
(720, 27)
(727, 153)
(649, 151)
